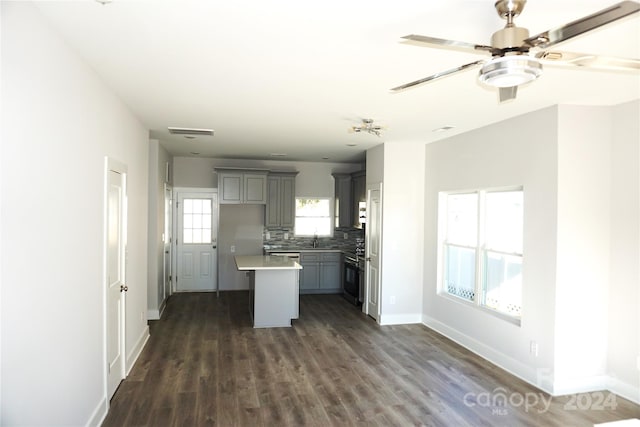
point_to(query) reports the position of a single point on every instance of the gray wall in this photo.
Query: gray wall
(240, 226)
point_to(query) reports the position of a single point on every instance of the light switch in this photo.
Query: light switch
(233, 248)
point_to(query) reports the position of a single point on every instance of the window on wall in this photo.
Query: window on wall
(196, 220)
(481, 235)
(313, 217)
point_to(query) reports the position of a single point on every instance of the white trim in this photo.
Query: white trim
(509, 364)
(137, 349)
(99, 414)
(579, 385)
(158, 312)
(400, 319)
(623, 389)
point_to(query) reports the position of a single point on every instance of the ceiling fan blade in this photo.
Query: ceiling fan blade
(437, 76)
(507, 93)
(447, 44)
(589, 60)
(588, 23)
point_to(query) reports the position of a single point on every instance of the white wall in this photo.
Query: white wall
(158, 158)
(519, 151)
(59, 123)
(624, 261)
(402, 222)
(580, 168)
(582, 269)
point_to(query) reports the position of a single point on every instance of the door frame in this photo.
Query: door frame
(111, 164)
(176, 231)
(168, 287)
(373, 186)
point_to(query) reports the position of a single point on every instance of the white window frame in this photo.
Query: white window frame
(480, 250)
(329, 217)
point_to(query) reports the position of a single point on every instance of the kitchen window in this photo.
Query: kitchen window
(481, 235)
(313, 217)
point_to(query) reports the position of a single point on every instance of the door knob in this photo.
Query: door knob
(124, 288)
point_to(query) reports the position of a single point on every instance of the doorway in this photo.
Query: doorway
(196, 240)
(116, 288)
(373, 247)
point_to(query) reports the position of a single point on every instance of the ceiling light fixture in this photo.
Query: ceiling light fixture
(510, 71)
(368, 126)
(103, 2)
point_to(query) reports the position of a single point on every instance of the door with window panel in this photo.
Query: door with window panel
(197, 242)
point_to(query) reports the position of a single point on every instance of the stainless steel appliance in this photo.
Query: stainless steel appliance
(352, 280)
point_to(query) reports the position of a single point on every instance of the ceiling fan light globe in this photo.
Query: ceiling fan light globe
(509, 71)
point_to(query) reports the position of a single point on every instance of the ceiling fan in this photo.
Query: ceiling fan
(517, 58)
(368, 126)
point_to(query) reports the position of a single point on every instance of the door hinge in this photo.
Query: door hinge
(108, 368)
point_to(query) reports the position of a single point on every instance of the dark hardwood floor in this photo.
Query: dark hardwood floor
(205, 365)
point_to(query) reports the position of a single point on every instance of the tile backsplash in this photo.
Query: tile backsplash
(276, 239)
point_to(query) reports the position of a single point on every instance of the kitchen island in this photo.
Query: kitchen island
(273, 288)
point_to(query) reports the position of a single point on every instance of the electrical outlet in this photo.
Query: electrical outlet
(533, 348)
(392, 300)
(286, 236)
(233, 248)
(346, 236)
(638, 363)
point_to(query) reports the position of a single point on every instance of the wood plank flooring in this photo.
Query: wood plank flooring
(204, 365)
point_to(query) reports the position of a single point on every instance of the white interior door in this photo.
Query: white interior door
(373, 247)
(116, 287)
(167, 239)
(197, 241)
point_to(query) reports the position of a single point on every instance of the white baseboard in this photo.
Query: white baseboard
(579, 385)
(509, 364)
(99, 414)
(528, 374)
(623, 389)
(400, 319)
(157, 314)
(137, 349)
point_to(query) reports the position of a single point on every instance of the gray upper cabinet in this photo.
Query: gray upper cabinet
(350, 190)
(344, 216)
(242, 186)
(359, 193)
(281, 197)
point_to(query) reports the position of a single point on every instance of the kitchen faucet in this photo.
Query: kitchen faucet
(315, 240)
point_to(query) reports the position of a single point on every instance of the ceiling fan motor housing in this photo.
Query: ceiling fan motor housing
(510, 38)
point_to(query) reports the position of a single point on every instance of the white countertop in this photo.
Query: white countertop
(266, 262)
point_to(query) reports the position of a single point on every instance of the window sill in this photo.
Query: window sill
(517, 321)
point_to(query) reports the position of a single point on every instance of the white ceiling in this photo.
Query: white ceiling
(285, 76)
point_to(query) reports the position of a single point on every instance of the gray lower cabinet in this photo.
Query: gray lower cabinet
(320, 273)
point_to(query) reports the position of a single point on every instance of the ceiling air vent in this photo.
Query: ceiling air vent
(190, 131)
